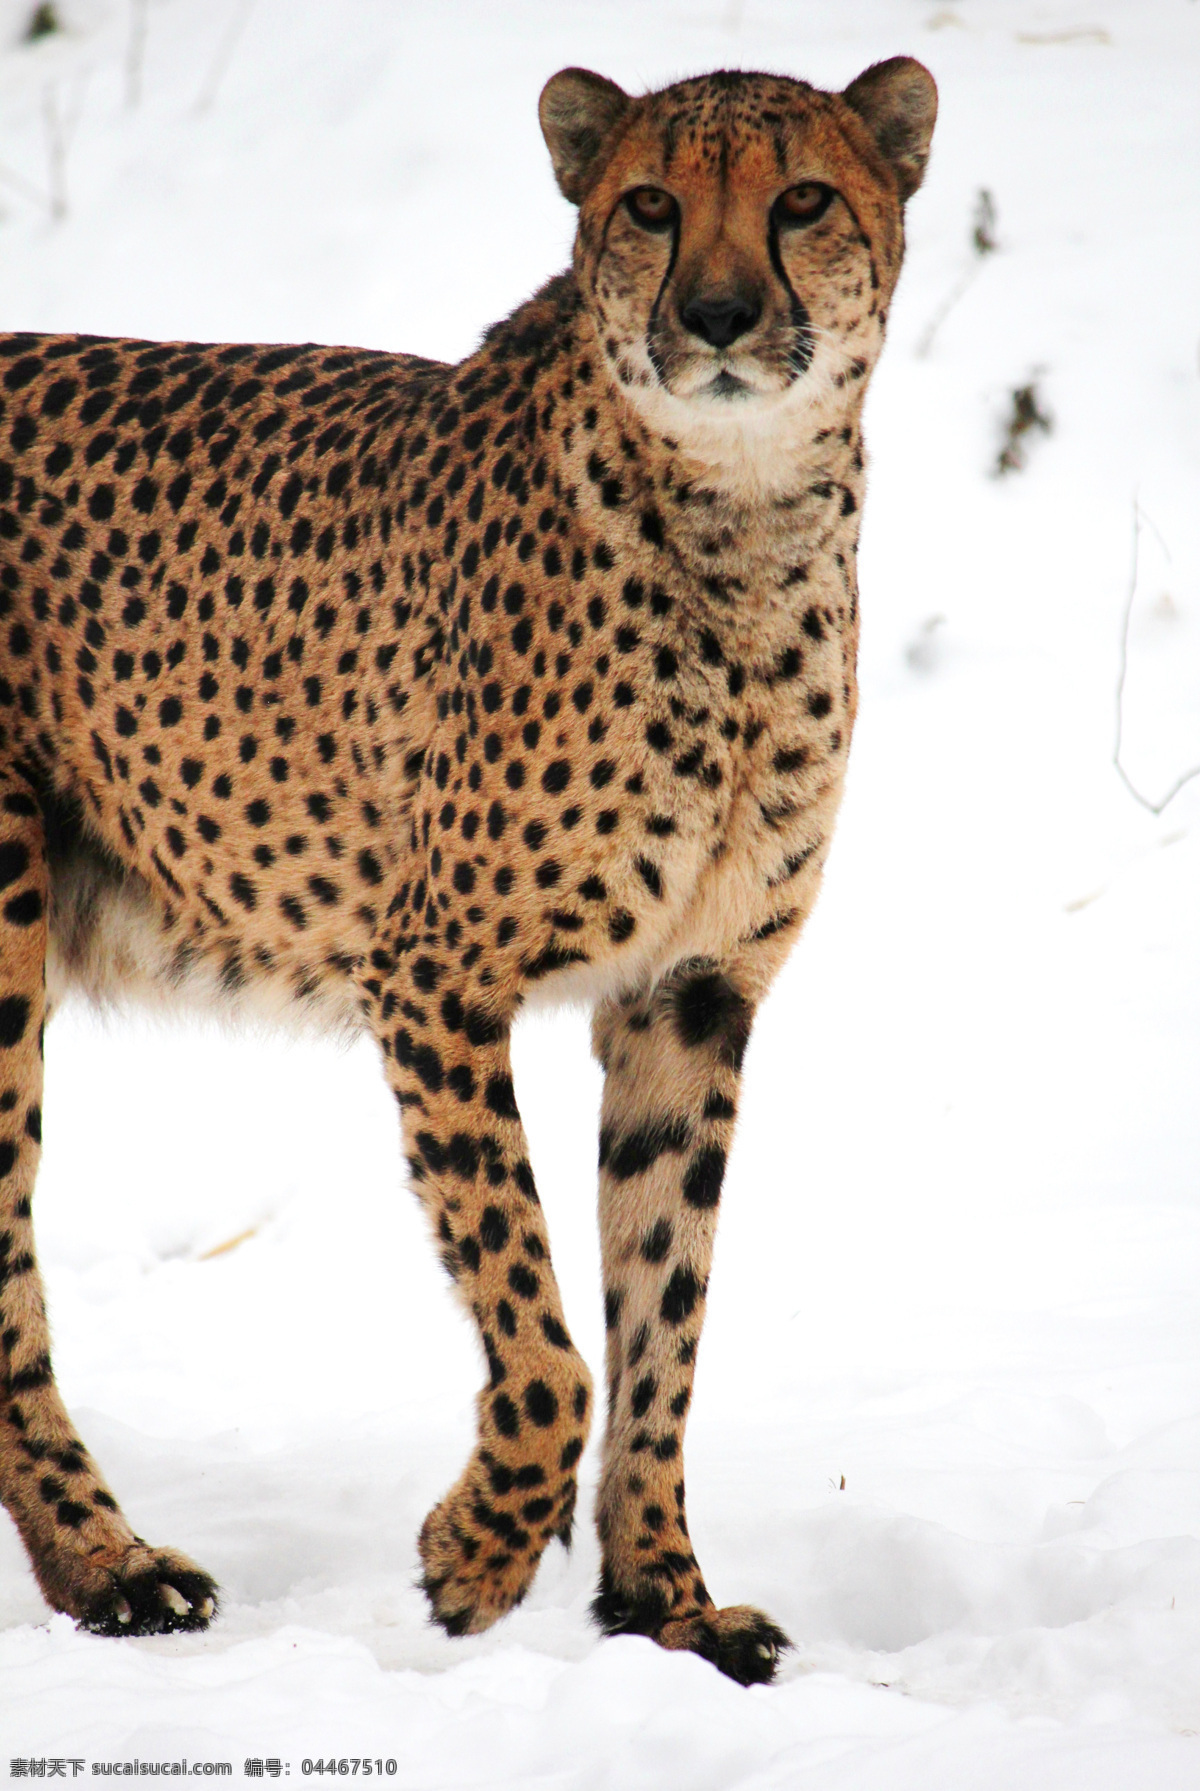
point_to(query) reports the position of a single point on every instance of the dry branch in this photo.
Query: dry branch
(983, 244)
(60, 127)
(224, 55)
(1155, 808)
(135, 50)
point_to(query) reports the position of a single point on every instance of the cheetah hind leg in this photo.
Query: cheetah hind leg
(86, 1557)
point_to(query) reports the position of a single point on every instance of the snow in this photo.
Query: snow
(947, 1420)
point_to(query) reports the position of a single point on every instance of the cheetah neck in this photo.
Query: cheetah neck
(752, 505)
(753, 455)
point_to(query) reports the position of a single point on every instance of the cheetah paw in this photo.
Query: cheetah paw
(478, 1561)
(150, 1592)
(739, 1641)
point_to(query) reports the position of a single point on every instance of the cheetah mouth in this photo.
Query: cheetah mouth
(722, 386)
(727, 385)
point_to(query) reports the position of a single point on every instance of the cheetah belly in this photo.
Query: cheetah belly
(114, 944)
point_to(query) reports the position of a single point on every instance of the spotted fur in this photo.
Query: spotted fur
(389, 694)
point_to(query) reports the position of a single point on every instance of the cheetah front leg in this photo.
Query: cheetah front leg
(672, 1061)
(449, 1065)
(86, 1557)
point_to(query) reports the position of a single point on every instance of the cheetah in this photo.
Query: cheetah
(379, 693)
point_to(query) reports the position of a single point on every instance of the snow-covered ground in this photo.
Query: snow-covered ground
(947, 1424)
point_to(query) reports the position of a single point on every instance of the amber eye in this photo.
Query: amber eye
(650, 207)
(803, 204)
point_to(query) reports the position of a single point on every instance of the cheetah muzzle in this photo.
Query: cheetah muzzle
(377, 693)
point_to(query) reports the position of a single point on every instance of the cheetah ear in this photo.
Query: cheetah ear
(577, 111)
(897, 101)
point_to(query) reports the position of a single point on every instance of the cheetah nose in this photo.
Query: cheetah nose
(720, 321)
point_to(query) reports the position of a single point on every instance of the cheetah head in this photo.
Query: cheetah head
(740, 235)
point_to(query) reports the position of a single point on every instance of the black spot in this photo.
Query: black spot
(14, 861)
(651, 876)
(679, 1296)
(642, 1397)
(461, 1081)
(705, 1174)
(621, 925)
(552, 957)
(243, 891)
(637, 1151)
(468, 1252)
(658, 1240)
(426, 1064)
(462, 1155)
(505, 1415)
(493, 1229)
(523, 1281)
(540, 1404)
(500, 1097)
(14, 1016)
(707, 1006)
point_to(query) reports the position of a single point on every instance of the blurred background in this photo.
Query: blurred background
(947, 1421)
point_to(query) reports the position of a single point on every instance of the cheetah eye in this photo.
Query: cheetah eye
(804, 204)
(651, 208)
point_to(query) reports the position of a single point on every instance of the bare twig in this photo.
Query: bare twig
(19, 184)
(60, 128)
(983, 244)
(983, 224)
(56, 152)
(1140, 519)
(43, 22)
(135, 50)
(1074, 34)
(242, 1237)
(224, 56)
(1025, 415)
